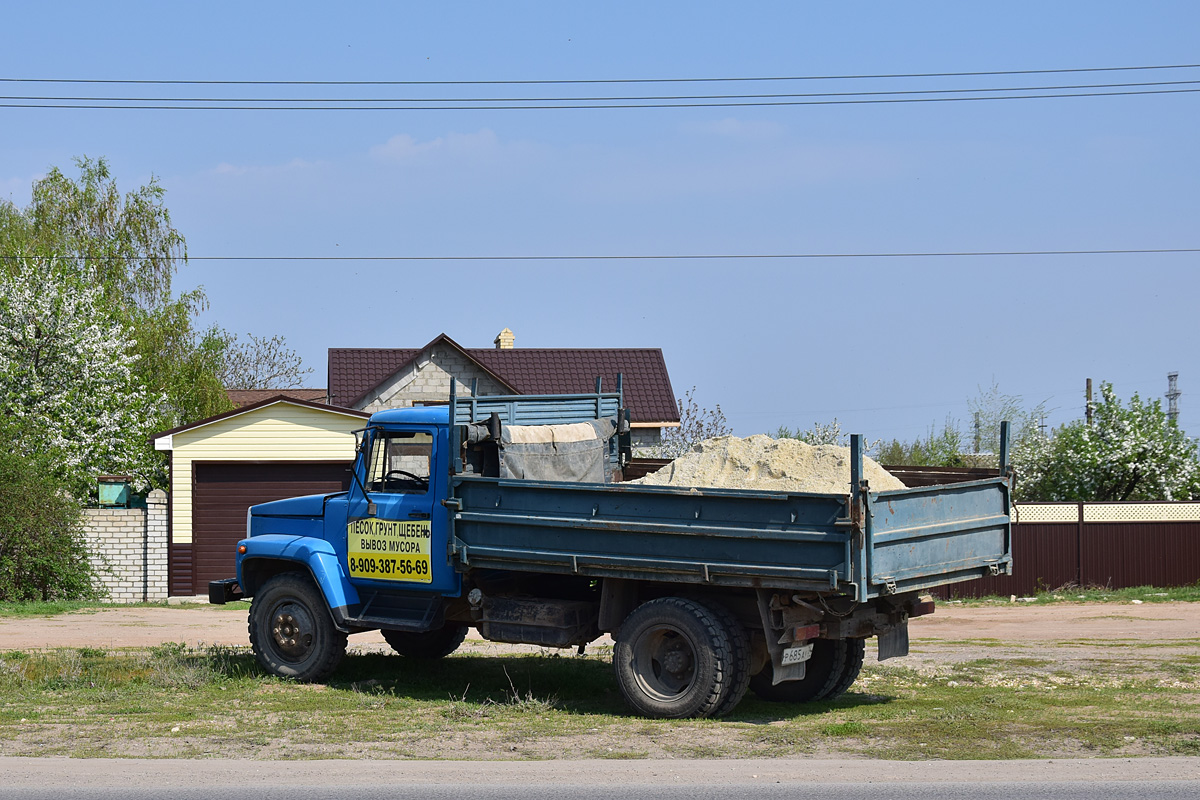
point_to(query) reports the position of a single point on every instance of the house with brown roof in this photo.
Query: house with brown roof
(370, 379)
(248, 397)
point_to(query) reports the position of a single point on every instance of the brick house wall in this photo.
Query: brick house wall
(427, 381)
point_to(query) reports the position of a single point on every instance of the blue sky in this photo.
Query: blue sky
(889, 346)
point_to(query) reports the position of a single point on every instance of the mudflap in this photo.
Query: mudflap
(894, 643)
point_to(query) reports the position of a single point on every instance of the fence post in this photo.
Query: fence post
(1079, 548)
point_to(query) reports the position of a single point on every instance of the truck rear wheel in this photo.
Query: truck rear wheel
(822, 672)
(291, 631)
(427, 645)
(673, 659)
(855, 655)
(739, 669)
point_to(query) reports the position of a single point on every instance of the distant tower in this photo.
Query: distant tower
(1173, 394)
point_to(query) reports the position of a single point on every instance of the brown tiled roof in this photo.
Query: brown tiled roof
(353, 373)
(246, 397)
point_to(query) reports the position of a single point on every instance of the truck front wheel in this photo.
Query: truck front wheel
(673, 659)
(291, 631)
(427, 645)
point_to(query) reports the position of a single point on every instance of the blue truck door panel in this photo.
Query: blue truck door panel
(402, 545)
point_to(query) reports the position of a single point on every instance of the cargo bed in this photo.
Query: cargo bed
(863, 544)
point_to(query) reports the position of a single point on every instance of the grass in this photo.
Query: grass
(179, 702)
(53, 608)
(1092, 594)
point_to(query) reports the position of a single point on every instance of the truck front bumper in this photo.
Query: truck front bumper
(225, 591)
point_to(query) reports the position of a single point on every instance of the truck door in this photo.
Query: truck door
(395, 538)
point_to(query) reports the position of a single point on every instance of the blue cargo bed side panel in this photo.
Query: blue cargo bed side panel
(714, 536)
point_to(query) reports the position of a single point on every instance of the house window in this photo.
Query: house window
(400, 462)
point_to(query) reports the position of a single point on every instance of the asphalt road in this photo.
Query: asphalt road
(1156, 790)
(223, 779)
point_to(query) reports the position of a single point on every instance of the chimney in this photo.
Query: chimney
(504, 340)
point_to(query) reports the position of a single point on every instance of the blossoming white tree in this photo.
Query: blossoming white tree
(65, 371)
(1127, 453)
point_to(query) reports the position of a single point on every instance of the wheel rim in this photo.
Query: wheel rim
(292, 631)
(664, 662)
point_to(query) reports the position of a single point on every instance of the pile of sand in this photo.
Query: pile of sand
(760, 462)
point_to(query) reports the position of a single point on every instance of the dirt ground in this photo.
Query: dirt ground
(1077, 633)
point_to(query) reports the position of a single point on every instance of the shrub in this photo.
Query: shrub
(42, 551)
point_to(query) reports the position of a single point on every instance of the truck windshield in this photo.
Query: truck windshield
(400, 462)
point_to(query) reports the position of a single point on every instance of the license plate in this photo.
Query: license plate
(794, 655)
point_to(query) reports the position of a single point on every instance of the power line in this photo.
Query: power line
(650, 257)
(723, 104)
(164, 82)
(593, 99)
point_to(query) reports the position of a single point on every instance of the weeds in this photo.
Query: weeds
(511, 701)
(180, 701)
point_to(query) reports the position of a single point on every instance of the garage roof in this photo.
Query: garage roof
(162, 440)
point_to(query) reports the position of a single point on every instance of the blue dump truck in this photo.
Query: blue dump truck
(504, 514)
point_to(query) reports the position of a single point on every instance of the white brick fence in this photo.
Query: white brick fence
(128, 547)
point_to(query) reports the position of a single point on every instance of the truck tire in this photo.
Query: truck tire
(739, 671)
(291, 631)
(855, 654)
(673, 659)
(821, 674)
(427, 645)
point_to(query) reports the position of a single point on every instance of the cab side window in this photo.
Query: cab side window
(401, 462)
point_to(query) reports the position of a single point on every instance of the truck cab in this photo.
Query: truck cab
(377, 551)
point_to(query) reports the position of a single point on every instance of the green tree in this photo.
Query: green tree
(42, 552)
(126, 241)
(980, 445)
(1129, 453)
(128, 246)
(85, 231)
(938, 449)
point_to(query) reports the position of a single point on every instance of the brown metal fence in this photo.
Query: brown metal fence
(1115, 545)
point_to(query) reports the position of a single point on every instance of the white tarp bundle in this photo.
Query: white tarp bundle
(576, 452)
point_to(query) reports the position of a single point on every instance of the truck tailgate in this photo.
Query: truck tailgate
(925, 537)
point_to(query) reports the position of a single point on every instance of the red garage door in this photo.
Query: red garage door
(221, 493)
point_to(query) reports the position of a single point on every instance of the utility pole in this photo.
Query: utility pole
(1089, 402)
(1173, 394)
